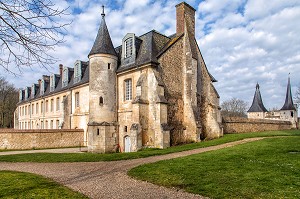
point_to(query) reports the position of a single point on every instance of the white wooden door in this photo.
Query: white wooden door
(127, 144)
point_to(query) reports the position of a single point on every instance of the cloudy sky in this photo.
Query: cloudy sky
(242, 41)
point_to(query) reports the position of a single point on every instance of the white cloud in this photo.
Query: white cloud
(242, 41)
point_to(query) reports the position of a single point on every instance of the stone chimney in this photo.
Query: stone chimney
(185, 14)
(39, 82)
(60, 69)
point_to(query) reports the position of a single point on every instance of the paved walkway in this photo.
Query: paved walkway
(109, 179)
(61, 150)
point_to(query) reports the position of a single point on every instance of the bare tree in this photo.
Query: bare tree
(29, 30)
(8, 101)
(234, 108)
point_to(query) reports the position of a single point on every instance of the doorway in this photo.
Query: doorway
(127, 144)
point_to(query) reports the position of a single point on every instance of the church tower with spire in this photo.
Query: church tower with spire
(257, 109)
(288, 111)
(102, 125)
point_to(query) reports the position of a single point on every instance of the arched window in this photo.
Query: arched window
(101, 101)
(292, 114)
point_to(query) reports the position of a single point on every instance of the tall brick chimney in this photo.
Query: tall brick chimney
(185, 14)
(60, 69)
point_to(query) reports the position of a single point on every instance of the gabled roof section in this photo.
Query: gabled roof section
(103, 43)
(148, 47)
(257, 104)
(288, 104)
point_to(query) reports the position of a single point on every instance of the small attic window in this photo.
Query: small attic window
(52, 83)
(20, 95)
(26, 93)
(128, 47)
(32, 90)
(77, 71)
(42, 89)
(65, 79)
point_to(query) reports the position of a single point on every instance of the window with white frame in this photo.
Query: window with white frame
(128, 47)
(20, 95)
(47, 104)
(42, 107)
(65, 79)
(37, 108)
(32, 90)
(52, 83)
(42, 89)
(57, 104)
(26, 93)
(128, 89)
(76, 99)
(77, 71)
(52, 105)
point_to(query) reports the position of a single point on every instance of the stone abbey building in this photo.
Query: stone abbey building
(152, 91)
(288, 112)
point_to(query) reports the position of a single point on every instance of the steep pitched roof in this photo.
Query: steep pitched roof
(257, 104)
(288, 104)
(149, 46)
(103, 43)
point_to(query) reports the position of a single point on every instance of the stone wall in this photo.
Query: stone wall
(40, 138)
(244, 125)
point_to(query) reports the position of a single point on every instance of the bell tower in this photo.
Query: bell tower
(102, 136)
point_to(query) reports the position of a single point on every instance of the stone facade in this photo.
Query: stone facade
(244, 125)
(152, 91)
(41, 138)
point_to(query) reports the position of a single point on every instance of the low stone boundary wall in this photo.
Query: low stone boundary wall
(40, 138)
(245, 125)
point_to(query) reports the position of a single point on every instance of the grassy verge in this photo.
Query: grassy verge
(268, 168)
(26, 185)
(91, 157)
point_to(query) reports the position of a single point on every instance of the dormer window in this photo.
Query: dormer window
(52, 83)
(20, 95)
(128, 47)
(26, 93)
(32, 90)
(65, 79)
(77, 71)
(42, 89)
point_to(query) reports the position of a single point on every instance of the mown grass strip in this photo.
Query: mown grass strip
(92, 157)
(25, 185)
(269, 168)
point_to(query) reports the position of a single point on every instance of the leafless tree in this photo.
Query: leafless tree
(8, 101)
(29, 30)
(234, 108)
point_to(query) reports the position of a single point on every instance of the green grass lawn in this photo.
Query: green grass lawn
(269, 168)
(26, 185)
(92, 157)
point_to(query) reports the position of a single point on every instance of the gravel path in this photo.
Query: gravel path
(109, 179)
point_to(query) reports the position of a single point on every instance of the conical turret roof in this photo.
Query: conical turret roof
(288, 104)
(103, 43)
(257, 104)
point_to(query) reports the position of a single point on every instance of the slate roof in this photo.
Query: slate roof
(58, 85)
(103, 43)
(288, 104)
(148, 47)
(257, 104)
